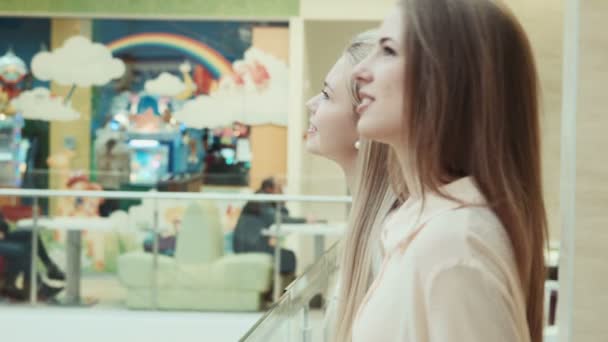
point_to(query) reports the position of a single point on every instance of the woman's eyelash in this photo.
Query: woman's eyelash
(388, 51)
(325, 94)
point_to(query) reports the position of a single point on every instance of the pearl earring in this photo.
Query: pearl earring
(357, 144)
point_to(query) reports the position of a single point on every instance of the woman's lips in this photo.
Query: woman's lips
(312, 129)
(365, 103)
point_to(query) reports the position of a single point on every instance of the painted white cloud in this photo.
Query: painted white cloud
(208, 111)
(165, 84)
(37, 104)
(264, 94)
(257, 95)
(78, 62)
(268, 107)
(276, 68)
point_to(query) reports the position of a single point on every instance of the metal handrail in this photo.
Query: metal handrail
(174, 195)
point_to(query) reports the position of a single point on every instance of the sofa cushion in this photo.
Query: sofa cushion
(135, 269)
(200, 239)
(247, 272)
(190, 299)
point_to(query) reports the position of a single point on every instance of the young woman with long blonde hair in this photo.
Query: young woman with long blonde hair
(333, 134)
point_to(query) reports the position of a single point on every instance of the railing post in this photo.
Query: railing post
(34, 254)
(290, 324)
(306, 328)
(155, 256)
(277, 254)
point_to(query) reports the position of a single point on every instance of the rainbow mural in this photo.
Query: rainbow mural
(212, 60)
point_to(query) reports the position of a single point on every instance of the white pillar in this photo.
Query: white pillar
(568, 168)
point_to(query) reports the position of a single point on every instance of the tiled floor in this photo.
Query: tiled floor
(110, 321)
(25, 324)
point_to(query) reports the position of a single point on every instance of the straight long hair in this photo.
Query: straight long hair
(472, 109)
(373, 198)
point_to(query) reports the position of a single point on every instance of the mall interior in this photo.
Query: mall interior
(136, 136)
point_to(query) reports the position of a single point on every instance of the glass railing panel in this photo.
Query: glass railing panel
(293, 318)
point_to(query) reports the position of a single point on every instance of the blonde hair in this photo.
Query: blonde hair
(373, 199)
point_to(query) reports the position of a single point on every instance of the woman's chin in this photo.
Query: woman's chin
(312, 145)
(371, 131)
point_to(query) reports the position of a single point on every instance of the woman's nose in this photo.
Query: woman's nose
(362, 73)
(311, 104)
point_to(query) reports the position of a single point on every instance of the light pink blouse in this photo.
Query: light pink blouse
(448, 275)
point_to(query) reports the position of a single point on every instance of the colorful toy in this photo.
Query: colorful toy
(12, 71)
(87, 207)
(149, 161)
(13, 151)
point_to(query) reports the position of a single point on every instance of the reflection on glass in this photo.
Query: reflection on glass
(291, 318)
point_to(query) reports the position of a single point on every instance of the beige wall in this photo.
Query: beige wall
(272, 40)
(543, 21)
(269, 154)
(345, 9)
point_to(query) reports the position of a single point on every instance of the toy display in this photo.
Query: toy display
(227, 161)
(168, 96)
(158, 147)
(12, 72)
(149, 161)
(155, 141)
(13, 151)
(112, 158)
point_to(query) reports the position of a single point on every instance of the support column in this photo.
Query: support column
(78, 131)
(589, 240)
